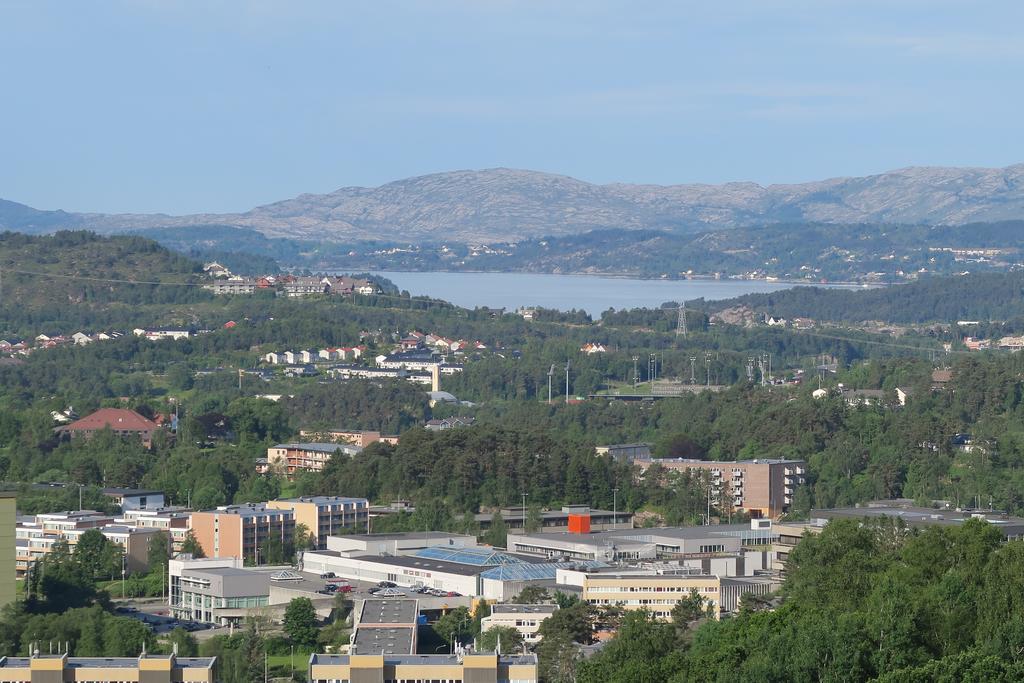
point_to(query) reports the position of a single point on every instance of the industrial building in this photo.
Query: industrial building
(762, 488)
(484, 667)
(1012, 528)
(404, 543)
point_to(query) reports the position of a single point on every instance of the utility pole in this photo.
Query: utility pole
(681, 322)
(551, 373)
(239, 379)
(567, 382)
(524, 511)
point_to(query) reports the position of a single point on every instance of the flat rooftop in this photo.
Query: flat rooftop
(920, 516)
(404, 535)
(388, 612)
(638, 535)
(424, 564)
(391, 640)
(523, 609)
(109, 662)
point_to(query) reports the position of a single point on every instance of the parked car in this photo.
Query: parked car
(328, 575)
(387, 584)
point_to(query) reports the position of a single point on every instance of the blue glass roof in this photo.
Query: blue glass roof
(525, 571)
(478, 557)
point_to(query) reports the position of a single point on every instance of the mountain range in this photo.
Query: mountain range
(507, 205)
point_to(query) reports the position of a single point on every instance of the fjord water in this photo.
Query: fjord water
(591, 293)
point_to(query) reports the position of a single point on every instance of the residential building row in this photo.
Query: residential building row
(292, 286)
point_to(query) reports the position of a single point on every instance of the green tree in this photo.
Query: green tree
(300, 622)
(191, 546)
(511, 640)
(158, 551)
(303, 538)
(186, 643)
(497, 534)
(532, 595)
(91, 553)
(534, 519)
(455, 625)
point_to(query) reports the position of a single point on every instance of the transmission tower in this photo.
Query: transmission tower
(681, 322)
(750, 369)
(693, 369)
(636, 372)
(707, 365)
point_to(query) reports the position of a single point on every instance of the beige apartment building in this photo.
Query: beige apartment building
(143, 669)
(241, 531)
(659, 591)
(485, 667)
(326, 515)
(762, 488)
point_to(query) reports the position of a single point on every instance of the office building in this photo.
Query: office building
(399, 543)
(645, 544)
(242, 531)
(1011, 527)
(524, 618)
(325, 515)
(135, 499)
(487, 667)
(555, 521)
(658, 590)
(143, 669)
(211, 593)
(761, 488)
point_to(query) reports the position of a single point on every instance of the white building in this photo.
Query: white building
(524, 618)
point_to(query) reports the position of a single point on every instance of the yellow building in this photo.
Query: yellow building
(326, 515)
(145, 669)
(8, 506)
(463, 668)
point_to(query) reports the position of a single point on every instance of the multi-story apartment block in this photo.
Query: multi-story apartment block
(242, 531)
(36, 536)
(173, 520)
(326, 515)
(307, 457)
(762, 488)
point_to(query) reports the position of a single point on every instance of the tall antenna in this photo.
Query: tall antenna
(681, 322)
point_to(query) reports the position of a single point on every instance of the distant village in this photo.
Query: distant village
(226, 282)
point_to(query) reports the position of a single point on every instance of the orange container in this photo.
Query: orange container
(579, 524)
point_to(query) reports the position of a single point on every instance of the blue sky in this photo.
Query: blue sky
(161, 105)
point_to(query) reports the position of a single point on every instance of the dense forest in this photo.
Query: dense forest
(872, 601)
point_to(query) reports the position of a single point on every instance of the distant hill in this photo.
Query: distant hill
(508, 205)
(86, 255)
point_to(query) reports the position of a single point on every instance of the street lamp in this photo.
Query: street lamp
(524, 511)
(615, 508)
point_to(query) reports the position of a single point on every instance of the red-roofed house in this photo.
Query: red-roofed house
(121, 421)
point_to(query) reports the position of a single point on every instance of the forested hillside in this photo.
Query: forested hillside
(55, 271)
(979, 297)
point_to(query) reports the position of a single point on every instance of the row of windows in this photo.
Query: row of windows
(650, 589)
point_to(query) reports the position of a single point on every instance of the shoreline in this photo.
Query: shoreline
(626, 276)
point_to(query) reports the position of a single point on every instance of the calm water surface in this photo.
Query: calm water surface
(591, 293)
